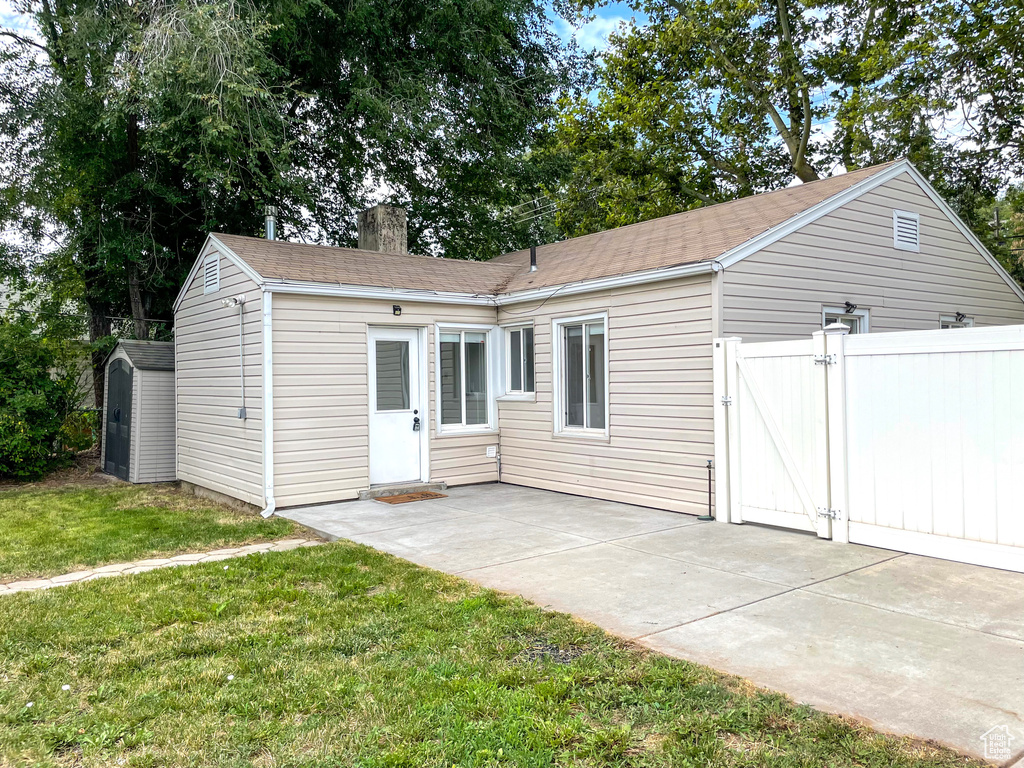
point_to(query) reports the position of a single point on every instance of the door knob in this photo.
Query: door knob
(416, 424)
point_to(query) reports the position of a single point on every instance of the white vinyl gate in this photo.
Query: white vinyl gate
(910, 441)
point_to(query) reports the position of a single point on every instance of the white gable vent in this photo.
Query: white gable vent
(906, 230)
(211, 273)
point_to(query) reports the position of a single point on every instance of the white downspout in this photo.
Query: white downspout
(268, 408)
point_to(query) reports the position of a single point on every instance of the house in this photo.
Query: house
(306, 374)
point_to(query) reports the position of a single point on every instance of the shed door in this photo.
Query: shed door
(119, 418)
(397, 416)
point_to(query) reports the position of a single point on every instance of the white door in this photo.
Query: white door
(396, 413)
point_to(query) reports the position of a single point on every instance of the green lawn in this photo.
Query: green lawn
(343, 656)
(48, 531)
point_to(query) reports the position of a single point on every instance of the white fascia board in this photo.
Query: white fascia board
(813, 213)
(964, 230)
(211, 244)
(604, 283)
(368, 292)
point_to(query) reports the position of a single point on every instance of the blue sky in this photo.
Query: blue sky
(594, 35)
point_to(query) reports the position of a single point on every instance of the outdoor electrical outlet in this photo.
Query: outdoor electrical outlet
(241, 413)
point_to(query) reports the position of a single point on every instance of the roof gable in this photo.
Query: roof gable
(148, 355)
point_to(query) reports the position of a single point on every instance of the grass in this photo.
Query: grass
(45, 531)
(344, 656)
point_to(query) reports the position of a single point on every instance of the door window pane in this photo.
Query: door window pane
(515, 361)
(528, 359)
(392, 375)
(451, 378)
(575, 376)
(476, 378)
(595, 376)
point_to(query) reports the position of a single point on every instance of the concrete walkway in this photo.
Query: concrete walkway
(139, 566)
(911, 645)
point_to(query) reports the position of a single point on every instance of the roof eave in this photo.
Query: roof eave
(373, 292)
(605, 283)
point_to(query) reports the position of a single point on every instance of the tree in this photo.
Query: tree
(135, 127)
(713, 99)
(131, 129)
(38, 395)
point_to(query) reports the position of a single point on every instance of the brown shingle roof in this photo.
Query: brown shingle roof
(280, 260)
(682, 238)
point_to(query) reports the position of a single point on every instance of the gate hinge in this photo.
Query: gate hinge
(829, 513)
(726, 400)
(824, 359)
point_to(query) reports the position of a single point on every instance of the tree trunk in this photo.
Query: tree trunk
(99, 327)
(138, 309)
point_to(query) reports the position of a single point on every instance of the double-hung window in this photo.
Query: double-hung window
(582, 375)
(462, 370)
(519, 343)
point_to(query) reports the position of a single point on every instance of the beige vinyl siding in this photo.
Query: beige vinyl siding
(216, 449)
(661, 420)
(321, 397)
(153, 458)
(848, 255)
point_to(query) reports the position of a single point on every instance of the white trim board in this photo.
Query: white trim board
(1001, 556)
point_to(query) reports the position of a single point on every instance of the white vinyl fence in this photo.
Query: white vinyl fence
(908, 441)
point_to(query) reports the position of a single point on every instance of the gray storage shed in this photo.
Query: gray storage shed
(138, 412)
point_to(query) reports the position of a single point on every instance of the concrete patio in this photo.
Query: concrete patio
(911, 645)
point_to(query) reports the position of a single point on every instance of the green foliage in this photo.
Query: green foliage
(1005, 241)
(46, 532)
(38, 392)
(133, 129)
(342, 656)
(710, 100)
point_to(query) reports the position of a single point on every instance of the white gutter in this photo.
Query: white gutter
(268, 408)
(604, 283)
(366, 292)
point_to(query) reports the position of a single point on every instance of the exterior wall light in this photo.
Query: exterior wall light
(396, 310)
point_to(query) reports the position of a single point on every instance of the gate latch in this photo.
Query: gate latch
(726, 400)
(832, 514)
(824, 359)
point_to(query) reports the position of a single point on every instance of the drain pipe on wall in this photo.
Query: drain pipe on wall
(709, 516)
(239, 301)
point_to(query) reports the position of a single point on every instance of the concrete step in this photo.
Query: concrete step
(377, 491)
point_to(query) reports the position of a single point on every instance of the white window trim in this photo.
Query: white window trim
(493, 382)
(508, 392)
(560, 430)
(213, 258)
(863, 314)
(967, 322)
(896, 215)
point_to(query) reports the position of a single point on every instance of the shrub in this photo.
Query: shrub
(38, 394)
